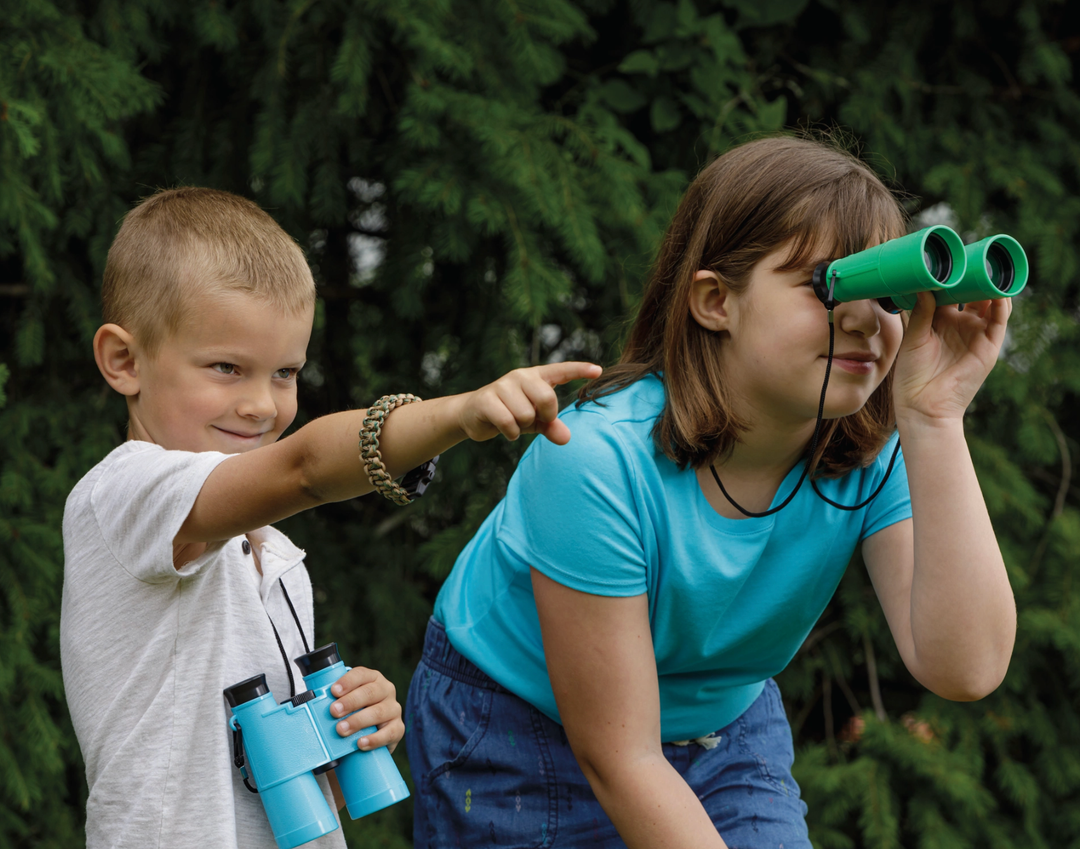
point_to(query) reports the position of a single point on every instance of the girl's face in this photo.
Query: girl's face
(775, 343)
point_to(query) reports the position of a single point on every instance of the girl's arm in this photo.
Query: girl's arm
(602, 667)
(940, 576)
(320, 462)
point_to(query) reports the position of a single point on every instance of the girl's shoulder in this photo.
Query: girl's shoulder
(612, 431)
(639, 403)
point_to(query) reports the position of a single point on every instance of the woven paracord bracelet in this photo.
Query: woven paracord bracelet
(370, 455)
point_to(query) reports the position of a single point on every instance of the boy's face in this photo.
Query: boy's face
(226, 381)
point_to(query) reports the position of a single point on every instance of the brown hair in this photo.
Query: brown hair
(190, 240)
(744, 205)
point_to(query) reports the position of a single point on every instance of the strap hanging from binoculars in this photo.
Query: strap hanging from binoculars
(280, 645)
(830, 303)
(238, 757)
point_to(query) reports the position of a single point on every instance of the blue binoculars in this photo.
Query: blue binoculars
(286, 745)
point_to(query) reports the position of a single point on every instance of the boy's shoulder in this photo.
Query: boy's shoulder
(129, 464)
(81, 491)
(129, 507)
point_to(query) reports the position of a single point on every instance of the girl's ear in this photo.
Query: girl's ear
(114, 351)
(710, 301)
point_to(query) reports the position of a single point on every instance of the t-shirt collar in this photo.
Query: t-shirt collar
(277, 555)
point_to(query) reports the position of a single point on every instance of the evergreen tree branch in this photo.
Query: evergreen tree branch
(872, 675)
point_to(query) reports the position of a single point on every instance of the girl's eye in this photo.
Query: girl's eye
(224, 368)
(286, 373)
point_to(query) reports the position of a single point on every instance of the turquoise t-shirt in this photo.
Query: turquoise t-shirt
(730, 601)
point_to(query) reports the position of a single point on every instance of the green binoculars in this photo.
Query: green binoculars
(933, 259)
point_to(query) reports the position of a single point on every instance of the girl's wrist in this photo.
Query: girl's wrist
(914, 425)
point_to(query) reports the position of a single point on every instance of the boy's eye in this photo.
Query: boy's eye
(286, 373)
(224, 368)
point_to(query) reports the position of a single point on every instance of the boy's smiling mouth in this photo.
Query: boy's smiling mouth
(247, 437)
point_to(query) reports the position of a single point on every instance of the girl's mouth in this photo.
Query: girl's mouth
(855, 362)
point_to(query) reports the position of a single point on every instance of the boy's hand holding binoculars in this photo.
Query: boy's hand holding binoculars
(523, 401)
(945, 357)
(365, 698)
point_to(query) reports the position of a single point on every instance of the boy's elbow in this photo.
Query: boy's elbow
(304, 467)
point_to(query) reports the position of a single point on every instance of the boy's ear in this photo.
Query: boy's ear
(710, 301)
(114, 351)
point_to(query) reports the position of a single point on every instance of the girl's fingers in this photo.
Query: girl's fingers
(922, 317)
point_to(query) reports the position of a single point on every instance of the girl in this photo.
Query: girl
(598, 668)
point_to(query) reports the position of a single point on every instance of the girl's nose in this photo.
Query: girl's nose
(860, 318)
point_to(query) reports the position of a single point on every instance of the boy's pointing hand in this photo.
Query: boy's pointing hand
(523, 401)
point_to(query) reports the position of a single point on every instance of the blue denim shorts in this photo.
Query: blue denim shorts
(491, 770)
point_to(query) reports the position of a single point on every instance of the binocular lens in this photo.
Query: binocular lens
(937, 257)
(1000, 267)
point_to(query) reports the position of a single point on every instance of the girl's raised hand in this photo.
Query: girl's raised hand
(523, 401)
(946, 355)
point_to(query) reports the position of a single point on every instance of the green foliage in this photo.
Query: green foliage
(481, 185)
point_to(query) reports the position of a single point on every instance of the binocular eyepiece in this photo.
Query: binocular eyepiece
(284, 746)
(933, 259)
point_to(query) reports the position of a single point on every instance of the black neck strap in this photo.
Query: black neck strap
(281, 647)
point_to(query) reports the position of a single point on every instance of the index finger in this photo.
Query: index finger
(556, 373)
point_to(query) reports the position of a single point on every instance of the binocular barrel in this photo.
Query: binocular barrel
(997, 267)
(933, 259)
(286, 745)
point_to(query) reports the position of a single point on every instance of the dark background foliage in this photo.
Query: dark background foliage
(480, 184)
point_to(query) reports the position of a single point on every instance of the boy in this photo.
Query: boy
(175, 586)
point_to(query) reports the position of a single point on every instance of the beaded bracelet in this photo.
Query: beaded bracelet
(369, 447)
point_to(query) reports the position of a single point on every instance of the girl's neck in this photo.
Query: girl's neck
(755, 468)
(767, 449)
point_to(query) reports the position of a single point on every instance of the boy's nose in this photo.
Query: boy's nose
(257, 403)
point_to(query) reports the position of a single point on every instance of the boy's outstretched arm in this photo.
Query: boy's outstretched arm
(320, 462)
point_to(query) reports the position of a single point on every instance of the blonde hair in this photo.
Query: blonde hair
(741, 207)
(183, 242)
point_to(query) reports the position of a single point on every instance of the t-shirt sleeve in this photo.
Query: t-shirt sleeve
(140, 501)
(893, 503)
(572, 510)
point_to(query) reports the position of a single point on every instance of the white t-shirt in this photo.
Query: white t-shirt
(147, 649)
